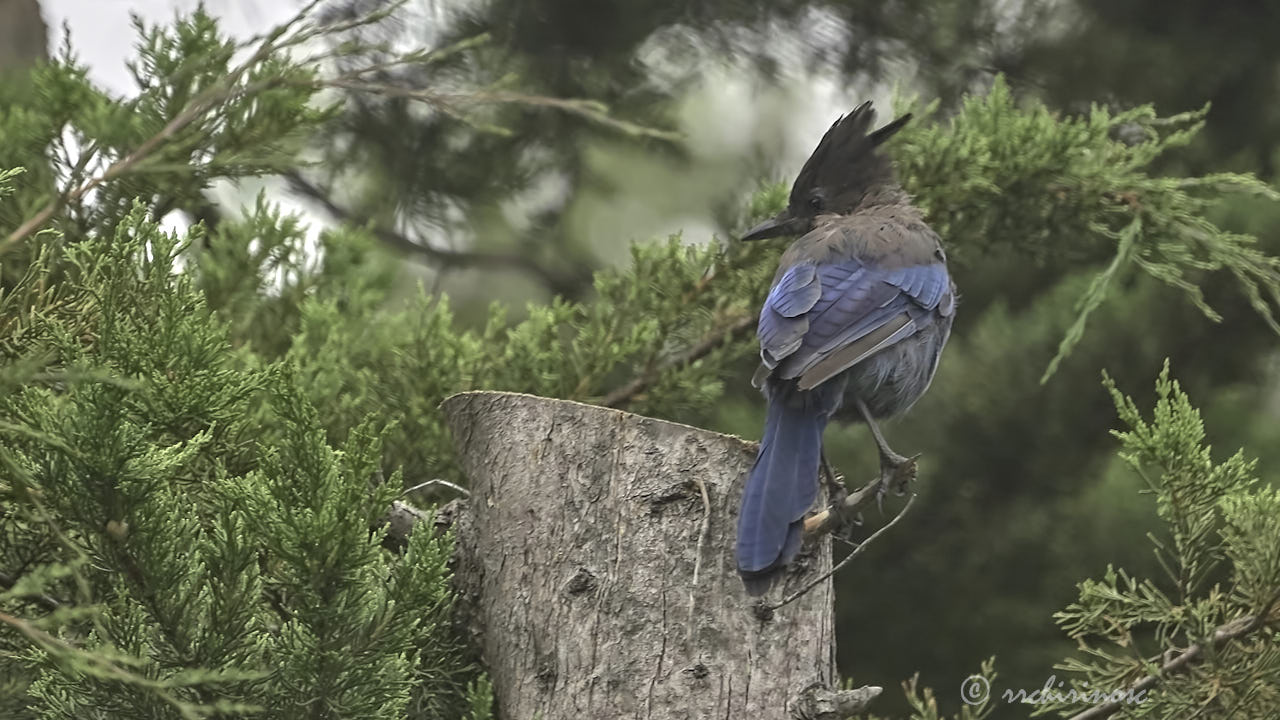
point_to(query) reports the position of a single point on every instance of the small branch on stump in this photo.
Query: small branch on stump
(862, 546)
(402, 518)
(437, 483)
(819, 703)
(831, 518)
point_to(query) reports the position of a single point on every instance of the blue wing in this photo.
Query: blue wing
(821, 319)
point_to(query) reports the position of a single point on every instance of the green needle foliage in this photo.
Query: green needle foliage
(221, 557)
(200, 434)
(1061, 192)
(1199, 641)
(1001, 177)
(1207, 627)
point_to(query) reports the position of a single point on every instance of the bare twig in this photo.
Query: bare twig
(723, 334)
(703, 530)
(847, 559)
(1222, 635)
(419, 59)
(817, 702)
(569, 285)
(449, 102)
(831, 518)
(445, 483)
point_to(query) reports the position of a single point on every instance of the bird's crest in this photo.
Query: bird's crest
(846, 162)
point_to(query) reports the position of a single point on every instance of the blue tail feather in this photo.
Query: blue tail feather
(781, 487)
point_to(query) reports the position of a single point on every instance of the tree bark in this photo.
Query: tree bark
(596, 570)
(22, 34)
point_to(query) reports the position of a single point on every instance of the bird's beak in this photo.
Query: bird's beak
(781, 224)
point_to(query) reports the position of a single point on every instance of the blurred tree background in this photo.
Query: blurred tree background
(1022, 495)
(671, 115)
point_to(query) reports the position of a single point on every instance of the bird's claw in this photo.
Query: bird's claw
(903, 475)
(834, 481)
(896, 473)
(837, 491)
(837, 494)
(846, 523)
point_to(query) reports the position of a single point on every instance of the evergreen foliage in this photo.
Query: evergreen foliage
(196, 430)
(1075, 193)
(1220, 553)
(181, 516)
(1198, 641)
(997, 156)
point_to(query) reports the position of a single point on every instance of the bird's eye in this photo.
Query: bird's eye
(815, 203)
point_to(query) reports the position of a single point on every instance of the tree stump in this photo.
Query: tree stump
(596, 570)
(22, 34)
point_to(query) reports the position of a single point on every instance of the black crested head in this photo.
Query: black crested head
(846, 164)
(845, 168)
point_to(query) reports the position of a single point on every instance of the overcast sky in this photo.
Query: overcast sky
(103, 35)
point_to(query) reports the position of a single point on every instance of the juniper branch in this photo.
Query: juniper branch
(717, 338)
(1222, 635)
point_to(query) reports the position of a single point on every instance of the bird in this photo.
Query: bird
(857, 317)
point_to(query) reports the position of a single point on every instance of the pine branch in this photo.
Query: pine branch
(122, 166)
(97, 664)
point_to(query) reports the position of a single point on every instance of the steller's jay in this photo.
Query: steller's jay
(859, 311)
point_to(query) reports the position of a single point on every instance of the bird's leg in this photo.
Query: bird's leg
(896, 471)
(837, 491)
(835, 482)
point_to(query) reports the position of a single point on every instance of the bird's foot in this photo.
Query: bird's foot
(837, 492)
(904, 473)
(847, 523)
(836, 489)
(846, 519)
(896, 474)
